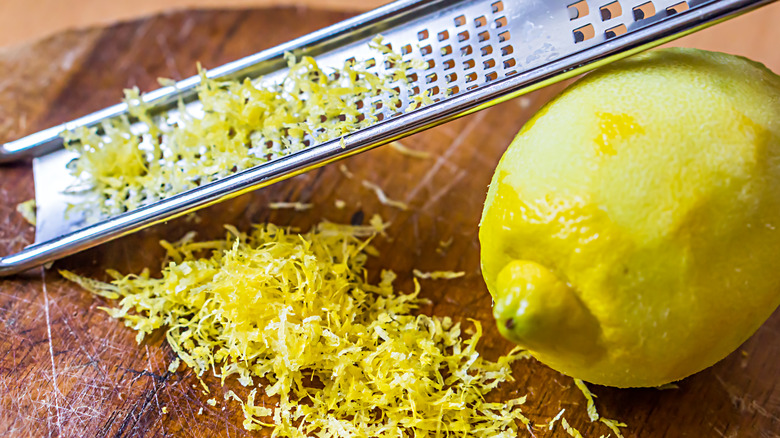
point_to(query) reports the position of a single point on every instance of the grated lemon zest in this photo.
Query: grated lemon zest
(420, 100)
(438, 275)
(574, 433)
(166, 82)
(243, 123)
(174, 365)
(105, 290)
(297, 206)
(444, 246)
(345, 171)
(294, 317)
(592, 413)
(27, 210)
(614, 425)
(414, 153)
(383, 199)
(552, 422)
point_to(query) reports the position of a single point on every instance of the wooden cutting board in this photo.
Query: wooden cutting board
(67, 369)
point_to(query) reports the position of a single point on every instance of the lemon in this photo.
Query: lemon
(631, 232)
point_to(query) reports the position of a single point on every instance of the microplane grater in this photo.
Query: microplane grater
(476, 53)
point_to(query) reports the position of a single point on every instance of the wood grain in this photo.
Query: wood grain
(67, 369)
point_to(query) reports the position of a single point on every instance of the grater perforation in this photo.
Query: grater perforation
(610, 11)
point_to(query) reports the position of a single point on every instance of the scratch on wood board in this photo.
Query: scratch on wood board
(55, 392)
(443, 158)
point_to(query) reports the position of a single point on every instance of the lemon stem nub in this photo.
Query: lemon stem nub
(537, 310)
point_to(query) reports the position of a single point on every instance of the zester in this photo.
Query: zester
(476, 53)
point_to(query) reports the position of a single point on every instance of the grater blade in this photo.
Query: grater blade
(477, 53)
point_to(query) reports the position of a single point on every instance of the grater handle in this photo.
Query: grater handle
(49, 140)
(34, 145)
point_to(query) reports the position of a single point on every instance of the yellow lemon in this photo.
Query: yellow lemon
(631, 232)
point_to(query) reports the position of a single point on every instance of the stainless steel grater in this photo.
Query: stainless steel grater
(477, 53)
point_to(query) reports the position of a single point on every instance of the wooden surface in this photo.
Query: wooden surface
(67, 369)
(23, 20)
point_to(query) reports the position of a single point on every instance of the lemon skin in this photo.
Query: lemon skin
(631, 232)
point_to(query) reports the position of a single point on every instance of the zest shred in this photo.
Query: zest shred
(437, 275)
(27, 210)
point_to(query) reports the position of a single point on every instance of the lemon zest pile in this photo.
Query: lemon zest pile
(297, 206)
(293, 317)
(243, 124)
(27, 210)
(383, 198)
(438, 275)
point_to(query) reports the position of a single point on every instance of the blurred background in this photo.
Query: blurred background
(24, 21)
